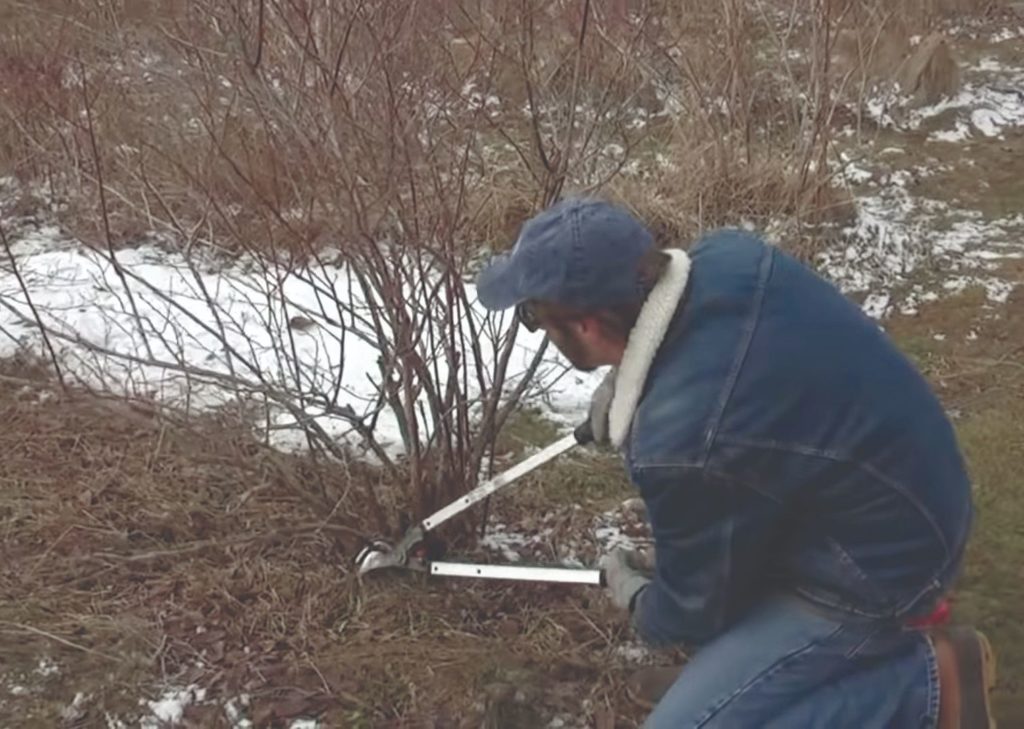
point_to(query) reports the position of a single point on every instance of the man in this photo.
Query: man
(807, 498)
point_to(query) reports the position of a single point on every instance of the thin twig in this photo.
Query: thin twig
(31, 305)
(58, 639)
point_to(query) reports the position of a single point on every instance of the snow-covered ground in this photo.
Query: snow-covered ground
(180, 331)
(906, 248)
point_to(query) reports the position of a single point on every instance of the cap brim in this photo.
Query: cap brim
(497, 285)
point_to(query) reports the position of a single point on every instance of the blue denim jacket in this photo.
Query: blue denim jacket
(782, 443)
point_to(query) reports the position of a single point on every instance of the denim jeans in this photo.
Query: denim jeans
(789, 665)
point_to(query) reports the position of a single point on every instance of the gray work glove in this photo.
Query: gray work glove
(624, 580)
(600, 404)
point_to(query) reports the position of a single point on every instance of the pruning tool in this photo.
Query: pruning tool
(410, 553)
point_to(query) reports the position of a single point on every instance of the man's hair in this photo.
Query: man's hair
(618, 320)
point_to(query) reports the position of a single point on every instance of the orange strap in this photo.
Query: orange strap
(938, 616)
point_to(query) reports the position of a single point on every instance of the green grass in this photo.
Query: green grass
(991, 592)
(986, 386)
(592, 479)
(526, 428)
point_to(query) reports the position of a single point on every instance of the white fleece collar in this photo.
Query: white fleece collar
(642, 346)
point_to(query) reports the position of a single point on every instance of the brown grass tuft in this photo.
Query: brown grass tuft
(931, 72)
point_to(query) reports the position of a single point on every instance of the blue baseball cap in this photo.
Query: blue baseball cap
(580, 253)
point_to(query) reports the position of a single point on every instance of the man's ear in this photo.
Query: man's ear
(595, 330)
(588, 325)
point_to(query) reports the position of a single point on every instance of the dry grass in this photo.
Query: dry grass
(931, 72)
(281, 129)
(139, 553)
(125, 535)
(981, 381)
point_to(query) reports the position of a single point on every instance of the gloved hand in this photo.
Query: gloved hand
(600, 404)
(623, 578)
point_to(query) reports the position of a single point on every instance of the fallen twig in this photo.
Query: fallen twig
(58, 639)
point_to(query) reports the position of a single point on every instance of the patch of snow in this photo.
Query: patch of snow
(876, 305)
(304, 724)
(900, 178)
(897, 233)
(994, 255)
(47, 667)
(170, 707)
(613, 529)
(1008, 33)
(881, 105)
(625, 527)
(882, 245)
(17, 690)
(233, 319)
(957, 134)
(507, 543)
(996, 290)
(74, 711)
(634, 653)
(991, 103)
(988, 64)
(235, 710)
(614, 150)
(479, 101)
(856, 175)
(915, 298)
(988, 121)
(990, 109)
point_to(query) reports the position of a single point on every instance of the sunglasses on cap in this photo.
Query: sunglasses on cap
(527, 317)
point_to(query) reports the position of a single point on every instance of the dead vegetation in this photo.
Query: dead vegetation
(931, 72)
(388, 143)
(285, 128)
(281, 127)
(138, 553)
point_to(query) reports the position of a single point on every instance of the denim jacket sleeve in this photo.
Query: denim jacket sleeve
(711, 536)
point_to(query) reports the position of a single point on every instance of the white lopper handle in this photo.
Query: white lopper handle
(487, 488)
(569, 575)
